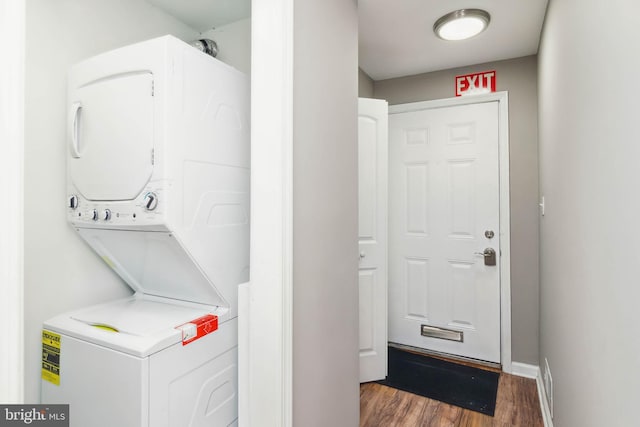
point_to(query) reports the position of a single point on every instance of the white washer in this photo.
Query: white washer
(143, 375)
(158, 186)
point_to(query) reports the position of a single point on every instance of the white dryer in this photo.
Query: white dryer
(158, 186)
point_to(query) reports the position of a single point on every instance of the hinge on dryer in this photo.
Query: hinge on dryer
(153, 90)
(153, 156)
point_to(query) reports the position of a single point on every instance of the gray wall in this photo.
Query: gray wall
(61, 272)
(325, 231)
(365, 85)
(589, 174)
(518, 76)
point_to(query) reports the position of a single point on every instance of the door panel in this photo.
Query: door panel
(111, 125)
(372, 226)
(444, 194)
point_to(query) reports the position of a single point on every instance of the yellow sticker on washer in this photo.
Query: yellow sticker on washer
(51, 357)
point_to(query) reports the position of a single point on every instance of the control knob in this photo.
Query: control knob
(73, 202)
(94, 215)
(106, 214)
(150, 201)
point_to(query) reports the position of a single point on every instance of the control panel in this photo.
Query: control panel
(146, 209)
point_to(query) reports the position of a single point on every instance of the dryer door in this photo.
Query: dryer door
(111, 136)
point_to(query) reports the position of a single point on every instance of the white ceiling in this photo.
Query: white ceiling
(203, 15)
(396, 36)
(397, 39)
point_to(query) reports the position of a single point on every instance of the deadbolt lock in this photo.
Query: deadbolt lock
(489, 255)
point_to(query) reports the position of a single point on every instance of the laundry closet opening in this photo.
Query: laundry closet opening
(133, 246)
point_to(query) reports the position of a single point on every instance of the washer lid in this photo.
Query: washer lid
(137, 325)
(155, 263)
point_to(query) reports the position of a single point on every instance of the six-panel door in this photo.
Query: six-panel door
(443, 203)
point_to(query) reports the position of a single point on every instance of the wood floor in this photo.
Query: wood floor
(517, 406)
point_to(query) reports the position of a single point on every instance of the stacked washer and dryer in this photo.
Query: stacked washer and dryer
(158, 186)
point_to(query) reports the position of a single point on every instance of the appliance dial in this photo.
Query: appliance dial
(73, 202)
(94, 215)
(106, 214)
(150, 201)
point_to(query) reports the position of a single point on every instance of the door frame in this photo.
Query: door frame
(505, 219)
(266, 353)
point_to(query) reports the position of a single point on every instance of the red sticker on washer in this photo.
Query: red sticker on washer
(198, 328)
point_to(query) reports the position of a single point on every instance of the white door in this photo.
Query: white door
(372, 231)
(443, 214)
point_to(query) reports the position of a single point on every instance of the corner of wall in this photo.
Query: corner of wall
(12, 44)
(365, 84)
(234, 44)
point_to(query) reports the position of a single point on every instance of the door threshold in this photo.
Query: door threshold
(469, 361)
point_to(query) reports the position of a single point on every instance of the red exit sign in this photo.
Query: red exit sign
(476, 83)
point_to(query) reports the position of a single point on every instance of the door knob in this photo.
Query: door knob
(489, 255)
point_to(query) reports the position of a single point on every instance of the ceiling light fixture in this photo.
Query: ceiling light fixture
(461, 24)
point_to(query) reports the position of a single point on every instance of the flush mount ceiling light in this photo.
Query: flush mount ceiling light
(461, 24)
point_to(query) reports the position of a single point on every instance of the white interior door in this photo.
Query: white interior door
(444, 206)
(372, 231)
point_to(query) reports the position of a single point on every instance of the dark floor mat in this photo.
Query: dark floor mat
(464, 386)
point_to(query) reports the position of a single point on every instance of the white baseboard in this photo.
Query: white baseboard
(544, 403)
(524, 370)
(534, 372)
